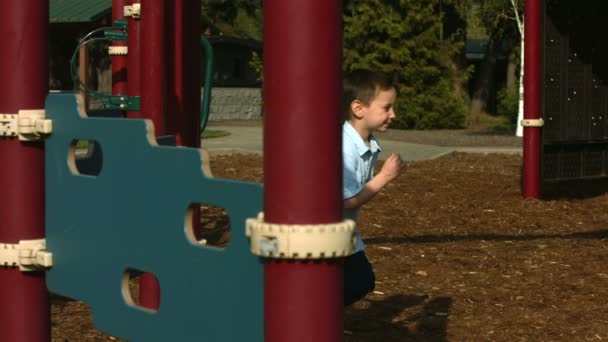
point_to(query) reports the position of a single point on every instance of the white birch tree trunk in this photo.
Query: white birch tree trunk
(519, 131)
(520, 112)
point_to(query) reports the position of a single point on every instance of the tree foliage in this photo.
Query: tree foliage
(240, 18)
(402, 38)
(502, 21)
(228, 10)
(499, 18)
(419, 42)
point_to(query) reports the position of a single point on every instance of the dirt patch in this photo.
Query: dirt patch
(459, 255)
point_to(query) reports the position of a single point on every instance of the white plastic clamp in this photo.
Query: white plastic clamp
(118, 50)
(27, 125)
(133, 11)
(533, 122)
(300, 241)
(29, 255)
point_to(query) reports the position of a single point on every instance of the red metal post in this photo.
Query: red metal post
(134, 61)
(532, 89)
(183, 79)
(24, 304)
(174, 52)
(152, 60)
(302, 161)
(183, 116)
(153, 100)
(119, 62)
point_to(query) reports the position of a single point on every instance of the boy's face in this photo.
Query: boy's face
(377, 115)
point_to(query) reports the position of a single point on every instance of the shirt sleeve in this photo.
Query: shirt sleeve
(351, 184)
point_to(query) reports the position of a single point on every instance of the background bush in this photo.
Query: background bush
(402, 38)
(507, 106)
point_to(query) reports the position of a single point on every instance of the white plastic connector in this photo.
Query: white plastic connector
(29, 255)
(27, 125)
(314, 241)
(133, 11)
(118, 50)
(533, 122)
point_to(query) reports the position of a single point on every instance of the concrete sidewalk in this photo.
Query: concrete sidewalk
(250, 140)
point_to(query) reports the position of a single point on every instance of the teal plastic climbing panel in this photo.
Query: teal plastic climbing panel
(130, 213)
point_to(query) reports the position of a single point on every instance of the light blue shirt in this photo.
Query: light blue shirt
(358, 161)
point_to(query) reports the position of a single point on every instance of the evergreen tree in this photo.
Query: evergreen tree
(402, 37)
(239, 18)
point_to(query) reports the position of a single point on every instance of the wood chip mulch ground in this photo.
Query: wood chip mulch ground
(459, 256)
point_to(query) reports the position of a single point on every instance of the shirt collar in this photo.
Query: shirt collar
(361, 146)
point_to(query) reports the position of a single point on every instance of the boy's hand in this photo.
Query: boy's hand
(393, 167)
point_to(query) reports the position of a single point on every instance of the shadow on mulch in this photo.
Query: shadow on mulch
(427, 319)
(599, 234)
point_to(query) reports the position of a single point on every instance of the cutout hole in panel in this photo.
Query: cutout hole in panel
(85, 157)
(208, 225)
(141, 289)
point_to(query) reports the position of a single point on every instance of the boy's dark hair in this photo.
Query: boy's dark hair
(363, 85)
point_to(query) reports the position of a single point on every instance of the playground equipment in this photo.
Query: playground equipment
(302, 300)
(136, 216)
(574, 100)
(123, 102)
(146, 228)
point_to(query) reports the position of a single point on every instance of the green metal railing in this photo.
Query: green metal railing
(112, 33)
(207, 84)
(119, 32)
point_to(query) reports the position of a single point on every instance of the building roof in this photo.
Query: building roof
(78, 11)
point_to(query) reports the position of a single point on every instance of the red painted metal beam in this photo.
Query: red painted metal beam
(302, 161)
(183, 79)
(152, 60)
(153, 104)
(170, 95)
(24, 304)
(183, 116)
(532, 95)
(119, 62)
(134, 61)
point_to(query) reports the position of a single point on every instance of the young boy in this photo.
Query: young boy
(368, 104)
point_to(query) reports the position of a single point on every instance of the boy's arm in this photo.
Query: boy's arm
(368, 192)
(392, 168)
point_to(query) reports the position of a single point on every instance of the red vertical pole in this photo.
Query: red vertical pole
(302, 161)
(175, 17)
(119, 62)
(185, 73)
(183, 79)
(532, 88)
(153, 100)
(134, 61)
(24, 306)
(152, 60)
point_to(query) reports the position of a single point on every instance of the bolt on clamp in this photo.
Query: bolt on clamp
(29, 255)
(301, 241)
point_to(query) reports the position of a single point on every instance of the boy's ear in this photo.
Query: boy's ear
(356, 107)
